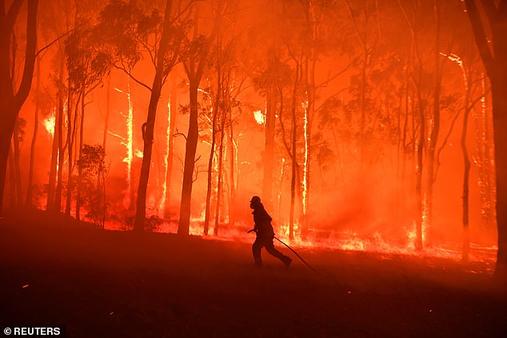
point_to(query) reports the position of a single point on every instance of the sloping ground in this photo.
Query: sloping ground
(119, 284)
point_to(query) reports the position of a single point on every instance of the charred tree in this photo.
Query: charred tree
(80, 171)
(435, 121)
(294, 166)
(209, 188)
(161, 71)
(108, 112)
(16, 141)
(194, 69)
(494, 57)
(466, 170)
(29, 187)
(160, 37)
(12, 98)
(232, 169)
(220, 171)
(61, 147)
(70, 145)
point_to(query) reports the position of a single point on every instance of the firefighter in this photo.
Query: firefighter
(265, 234)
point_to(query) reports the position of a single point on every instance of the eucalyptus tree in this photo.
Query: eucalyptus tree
(489, 29)
(131, 32)
(12, 94)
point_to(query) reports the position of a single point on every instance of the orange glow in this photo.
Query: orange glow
(346, 131)
(305, 160)
(161, 206)
(150, 149)
(49, 123)
(259, 117)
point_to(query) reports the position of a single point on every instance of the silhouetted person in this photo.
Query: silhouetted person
(265, 233)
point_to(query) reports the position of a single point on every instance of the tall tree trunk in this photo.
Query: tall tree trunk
(5, 142)
(29, 187)
(80, 150)
(309, 112)
(466, 175)
(232, 168)
(108, 111)
(12, 180)
(70, 145)
(499, 88)
(209, 189)
(419, 170)
(220, 173)
(12, 100)
(496, 66)
(16, 140)
(148, 129)
(435, 125)
(194, 68)
(61, 149)
(488, 157)
(190, 149)
(149, 125)
(294, 154)
(269, 145)
(50, 203)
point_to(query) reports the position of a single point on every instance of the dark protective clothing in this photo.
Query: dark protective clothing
(265, 235)
(262, 221)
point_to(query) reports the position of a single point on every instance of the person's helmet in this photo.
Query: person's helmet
(256, 200)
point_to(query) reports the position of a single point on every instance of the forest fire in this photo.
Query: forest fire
(337, 154)
(359, 134)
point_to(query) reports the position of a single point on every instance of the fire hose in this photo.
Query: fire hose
(298, 255)
(293, 251)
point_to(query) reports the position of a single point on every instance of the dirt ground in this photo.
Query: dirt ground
(119, 284)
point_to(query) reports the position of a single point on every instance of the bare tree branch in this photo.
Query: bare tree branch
(54, 41)
(122, 68)
(180, 134)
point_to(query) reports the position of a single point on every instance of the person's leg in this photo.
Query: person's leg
(256, 250)
(270, 247)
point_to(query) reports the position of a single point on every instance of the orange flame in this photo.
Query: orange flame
(128, 142)
(49, 124)
(161, 207)
(305, 162)
(259, 117)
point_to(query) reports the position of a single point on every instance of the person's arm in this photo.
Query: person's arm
(256, 223)
(255, 228)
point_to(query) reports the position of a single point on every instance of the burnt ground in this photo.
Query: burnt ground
(119, 284)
